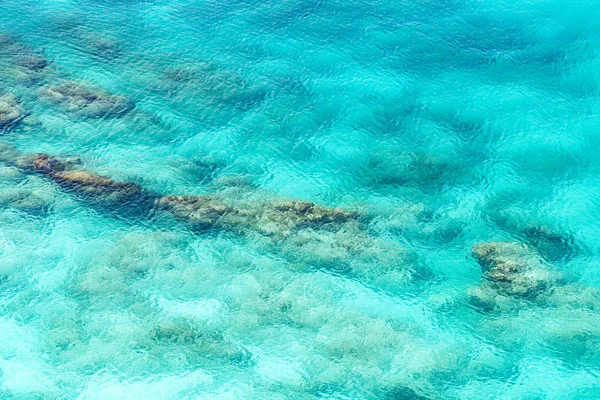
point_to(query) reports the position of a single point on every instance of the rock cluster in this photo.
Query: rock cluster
(20, 64)
(26, 200)
(197, 211)
(550, 243)
(32, 62)
(10, 111)
(85, 100)
(62, 171)
(100, 45)
(278, 218)
(284, 217)
(214, 83)
(98, 187)
(514, 269)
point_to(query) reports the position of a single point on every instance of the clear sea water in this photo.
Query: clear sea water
(443, 123)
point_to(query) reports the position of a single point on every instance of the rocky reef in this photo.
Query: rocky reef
(523, 290)
(514, 269)
(279, 218)
(310, 235)
(98, 187)
(305, 213)
(20, 64)
(101, 45)
(66, 172)
(205, 343)
(32, 62)
(516, 275)
(10, 111)
(214, 83)
(198, 211)
(85, 100)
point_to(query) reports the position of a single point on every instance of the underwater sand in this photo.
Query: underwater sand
(439, 124)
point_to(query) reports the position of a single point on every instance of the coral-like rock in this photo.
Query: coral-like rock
(514, 269)
(199, 211)
(277, 218)
(283, 217)
(306, 212)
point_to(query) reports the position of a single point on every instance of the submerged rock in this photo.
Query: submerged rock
(514, 269)
(97, 187)
(101, 45)
(49, 164)
(32, 62)
(10, 111)
(552, 244)
(8, 153)
(403, 393)
(9, 46)
(30, 201)
(214, 83)
(280, 218)
(411, 169)
(183, 74)
(20, 64)
(283, 217)
(305, 212)
(85, 100)
(206, 343)
(9, 173)
(198, 211)
(45, 163)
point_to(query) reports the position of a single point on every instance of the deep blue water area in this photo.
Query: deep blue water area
(299, 199)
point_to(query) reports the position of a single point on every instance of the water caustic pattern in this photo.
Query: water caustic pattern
(299, 199)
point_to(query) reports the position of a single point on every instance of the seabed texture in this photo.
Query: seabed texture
(299, 199)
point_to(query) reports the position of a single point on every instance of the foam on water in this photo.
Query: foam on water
(440, 124)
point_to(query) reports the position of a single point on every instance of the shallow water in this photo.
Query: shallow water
(441, 124)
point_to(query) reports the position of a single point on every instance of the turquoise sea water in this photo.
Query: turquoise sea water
(441, 124)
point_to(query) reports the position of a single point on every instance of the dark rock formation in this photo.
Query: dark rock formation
(514, 269)
(98, 187)
(20, 64)
(32, 62)
(47, 164)
(550, 243)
